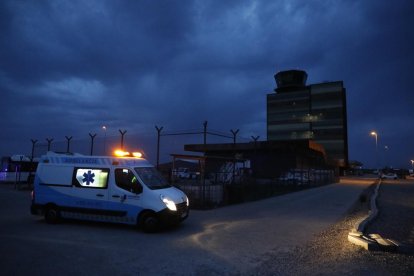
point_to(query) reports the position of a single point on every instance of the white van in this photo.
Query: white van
(122, 189)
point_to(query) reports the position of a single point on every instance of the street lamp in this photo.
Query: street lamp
(104, 129)
(373, 133)
(386, 148)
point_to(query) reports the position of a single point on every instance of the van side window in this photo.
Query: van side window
(125, 179)
(90, 178)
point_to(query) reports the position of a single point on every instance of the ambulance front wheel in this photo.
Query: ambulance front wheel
(149, 222)
(52, 214)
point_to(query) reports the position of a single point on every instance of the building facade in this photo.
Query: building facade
(317, 112)
(268, 159)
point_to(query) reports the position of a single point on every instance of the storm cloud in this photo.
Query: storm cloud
(70, 67)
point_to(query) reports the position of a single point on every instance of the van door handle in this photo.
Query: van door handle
(115, 196)
(100, 195)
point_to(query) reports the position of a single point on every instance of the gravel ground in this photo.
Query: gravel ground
(330, 253)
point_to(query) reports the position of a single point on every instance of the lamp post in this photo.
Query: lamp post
(373, 133)
(386, 148)
(104, 129)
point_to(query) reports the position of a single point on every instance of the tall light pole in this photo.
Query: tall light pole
(386, 148)
(104, 129)
(373, 133)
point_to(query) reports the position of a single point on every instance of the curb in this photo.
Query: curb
(360, 227)
(374, 242)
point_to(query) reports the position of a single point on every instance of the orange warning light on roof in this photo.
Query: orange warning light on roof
(121, 153)
(137, 154)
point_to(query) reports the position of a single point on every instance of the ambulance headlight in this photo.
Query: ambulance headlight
(169, 203)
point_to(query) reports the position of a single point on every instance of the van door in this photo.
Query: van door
(89, 191)
(125, 195)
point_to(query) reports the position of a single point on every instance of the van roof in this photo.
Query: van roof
(80, 159)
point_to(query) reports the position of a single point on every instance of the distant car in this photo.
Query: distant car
(185, 173)
(389, 176)
(297, 178)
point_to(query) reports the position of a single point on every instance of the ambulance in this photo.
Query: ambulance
(124, 188)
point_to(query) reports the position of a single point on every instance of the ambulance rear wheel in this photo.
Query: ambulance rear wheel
(149, 222)
(52, 214)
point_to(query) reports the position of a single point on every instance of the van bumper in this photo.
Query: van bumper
(168, 217)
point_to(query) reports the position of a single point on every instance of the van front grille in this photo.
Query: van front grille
(182, 208)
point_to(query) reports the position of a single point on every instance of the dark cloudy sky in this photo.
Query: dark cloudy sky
(70, 67)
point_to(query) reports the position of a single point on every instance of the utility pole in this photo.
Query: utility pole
(33, 146)
(234, 132)
(255, 139)
(122, 138)
(68, 143)
(205, 132)
(92, 138)
(159, 129)
(49, 142)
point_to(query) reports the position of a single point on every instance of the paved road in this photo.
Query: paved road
(225, 240)
(395, 218)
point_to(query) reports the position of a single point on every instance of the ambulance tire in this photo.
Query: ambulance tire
(52, 214)
(149, 222)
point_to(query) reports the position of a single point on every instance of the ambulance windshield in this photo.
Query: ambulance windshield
(152, 178)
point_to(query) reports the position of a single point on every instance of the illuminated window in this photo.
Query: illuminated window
(91, 178)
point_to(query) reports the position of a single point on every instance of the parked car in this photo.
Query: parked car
(389, 176)
(295, 177)
(181, 173)
(185, 173)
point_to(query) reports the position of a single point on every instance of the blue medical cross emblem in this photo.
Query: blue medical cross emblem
(88, 177)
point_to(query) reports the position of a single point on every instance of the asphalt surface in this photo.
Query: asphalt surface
(395, 219)
(330, 253)
(302, 233)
